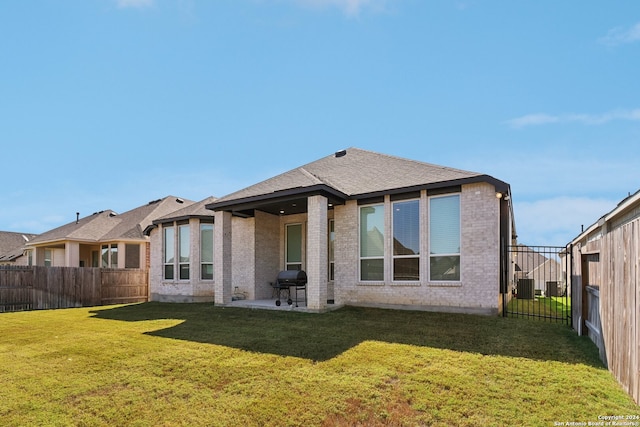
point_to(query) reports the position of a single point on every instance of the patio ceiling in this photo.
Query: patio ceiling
(280, 206)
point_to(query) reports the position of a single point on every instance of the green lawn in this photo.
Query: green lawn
(556, 308)
(195, 364)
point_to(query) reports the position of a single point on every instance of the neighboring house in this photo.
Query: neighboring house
(548, 278)
(12, 247)
(105, 239)
(182, 254)
(526, 260)
(541, 266)
(606, 290)
(369, 229)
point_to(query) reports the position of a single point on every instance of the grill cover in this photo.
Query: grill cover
(293, 277)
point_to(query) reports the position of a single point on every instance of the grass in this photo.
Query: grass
(195, 364)
(556, 308)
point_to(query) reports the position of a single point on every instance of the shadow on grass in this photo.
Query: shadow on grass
(321, 337)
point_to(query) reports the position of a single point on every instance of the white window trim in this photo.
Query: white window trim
(110, 247)
(212, 263)
(429, 256)
(331, 262)
(385, 250)
(302, 245)
(164, 252)
(178, 241)
(420, 237)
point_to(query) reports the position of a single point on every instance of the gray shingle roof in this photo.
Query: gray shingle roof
(134, 222)
(108, 225)
(12, 244)
(356, 173)
(197, 209)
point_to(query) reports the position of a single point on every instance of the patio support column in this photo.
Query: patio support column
(222, 257)
(317, 255)
(71, 254)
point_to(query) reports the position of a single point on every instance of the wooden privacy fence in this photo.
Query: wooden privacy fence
(40, 288)
(607, 278)
(620, 304)
(592, 321)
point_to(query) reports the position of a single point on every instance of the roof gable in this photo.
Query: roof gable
(197, 210)
(12, 244)
(108, 225)
(132, 223)
(89, 228)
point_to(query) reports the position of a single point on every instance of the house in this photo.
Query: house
(368, 229)
(182, 250)
(606, 289)
(538, 271)
(12, 247)
(104, 239)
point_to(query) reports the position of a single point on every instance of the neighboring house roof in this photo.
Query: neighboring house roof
(195, 210)
(548, 270)
(527, 259)
(355, 174)
(108, 225)
(12, 245)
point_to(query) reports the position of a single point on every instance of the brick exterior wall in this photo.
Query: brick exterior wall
(267, 264)
(255, 249)
(476, 292)
(317, 253)
(192, 290)
(222, 260)
(243, 258)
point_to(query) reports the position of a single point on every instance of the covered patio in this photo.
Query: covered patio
(270, 304)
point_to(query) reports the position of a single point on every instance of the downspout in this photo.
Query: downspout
(504, 228)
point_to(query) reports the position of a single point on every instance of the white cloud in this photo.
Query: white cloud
(349, 7)
(139, 4)
(620, 35)
(538, 119)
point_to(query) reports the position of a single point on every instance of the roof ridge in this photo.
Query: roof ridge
(420, 162)
(311, 175)
(322, 180)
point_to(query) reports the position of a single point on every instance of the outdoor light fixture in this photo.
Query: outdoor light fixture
(499, 195)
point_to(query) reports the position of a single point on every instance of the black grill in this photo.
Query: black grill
(292, 277)
(288, 279)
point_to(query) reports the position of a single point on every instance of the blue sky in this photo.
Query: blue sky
(108, 104)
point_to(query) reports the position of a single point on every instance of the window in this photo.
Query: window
(104, 255)
(169, 253)
(30, 258)
(332, 238)
(444, 238)
(184, 248)
(206, 251)
(406, 240)
(131, 256)
(372, 243)
(109, 256)
(293, 251)
(48, 258)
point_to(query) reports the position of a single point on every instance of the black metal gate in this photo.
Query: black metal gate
(538, 283)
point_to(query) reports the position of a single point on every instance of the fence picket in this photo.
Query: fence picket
(38, 287)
